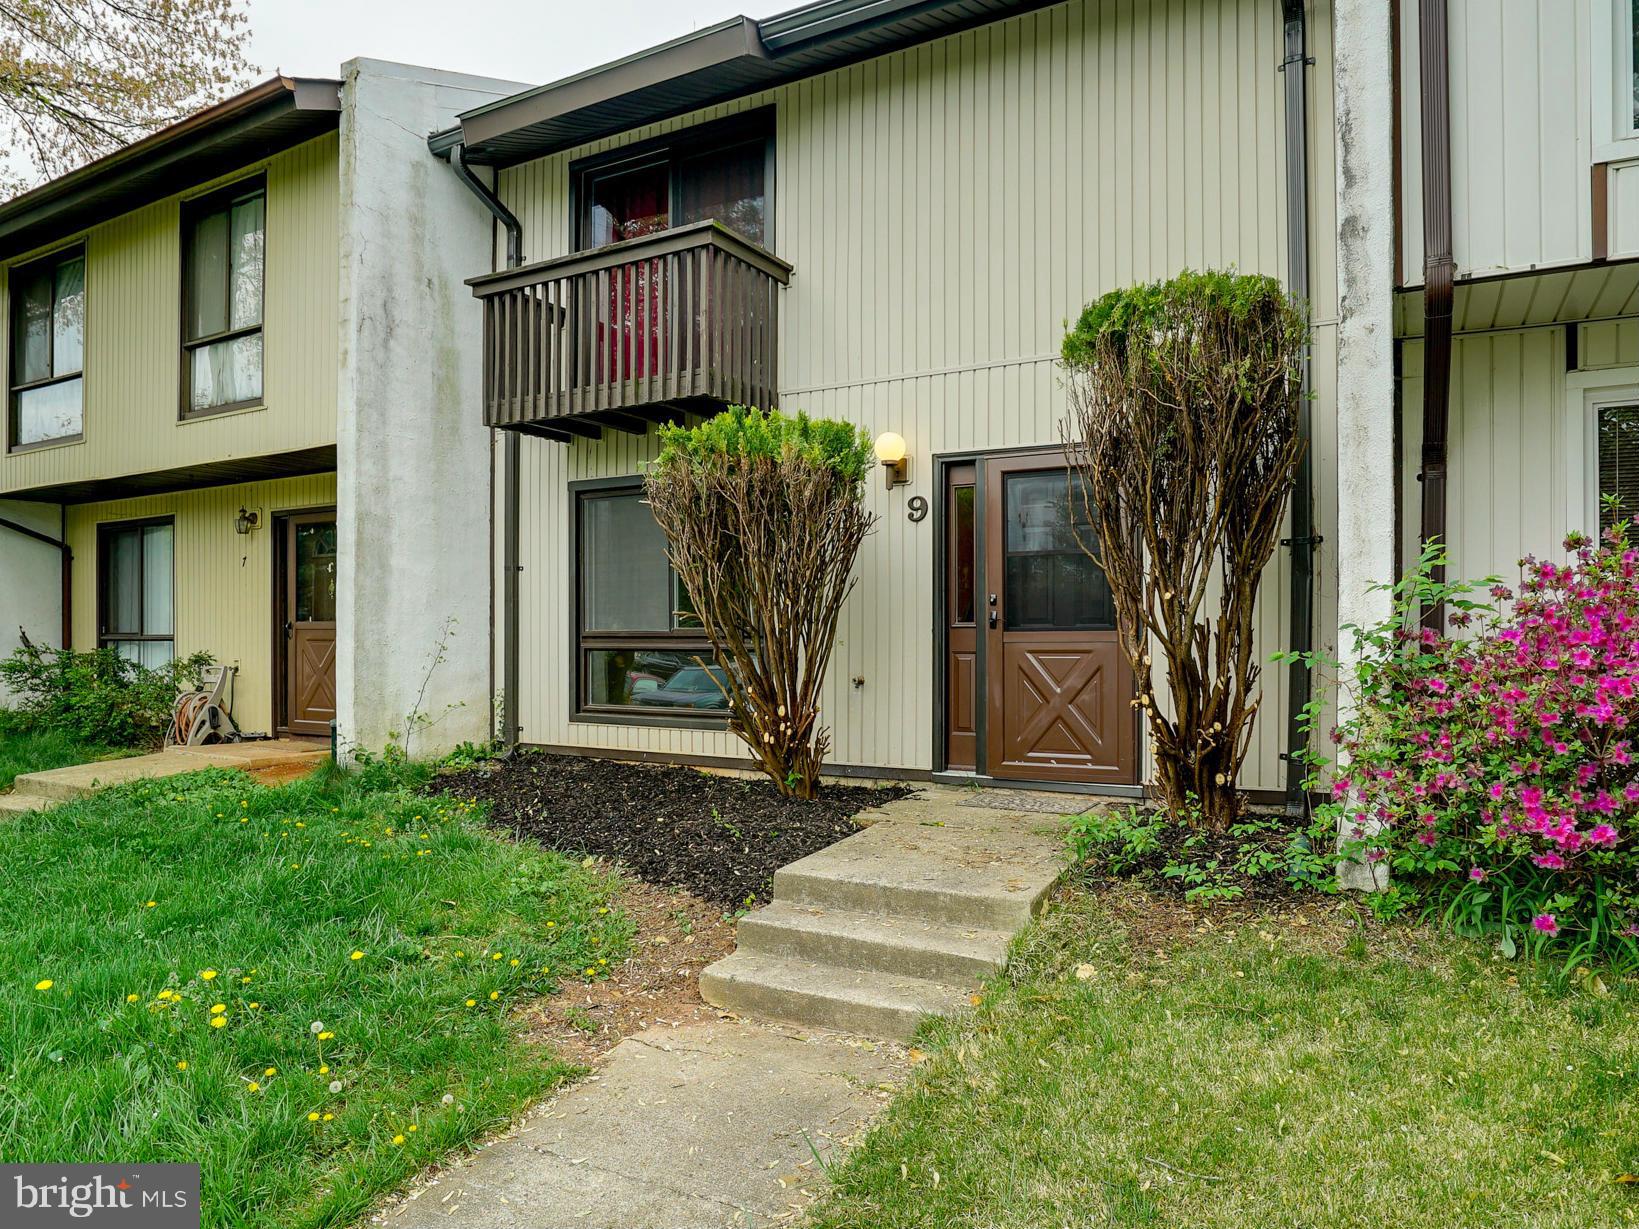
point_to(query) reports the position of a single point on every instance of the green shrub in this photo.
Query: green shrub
(97, 696)
(742, 432)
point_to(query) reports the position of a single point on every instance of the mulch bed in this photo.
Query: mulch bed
(721, 837)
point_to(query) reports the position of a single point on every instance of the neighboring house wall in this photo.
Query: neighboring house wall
(1520, 472)
(222, 580)
(412, 451)
(1534, 103)
(947, 209)
(133, 357)
(31, 589)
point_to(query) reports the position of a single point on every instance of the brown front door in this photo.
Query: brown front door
(1057, 691)
(308, 622)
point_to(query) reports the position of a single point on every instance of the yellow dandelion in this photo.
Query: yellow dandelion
(590, 971)
(494, 994)
(218, 1021)
(546, 968)
(326, 1036)
(131, 998)
(150, 904)
(413, 1126)
(270, 1071)
(182, 1065)
(357, 955)
(253, 1006)
(324, 1069)
(328, 1117)
(253, 1086)
(244, 981)
(472, 1002)
(207, 974)
(314, 1116)
(246, 821)
(218, 1008)
(551, 925)
(398, 1139)
(459, 952)
(45, 983)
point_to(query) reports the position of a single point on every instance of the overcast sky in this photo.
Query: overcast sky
(533, 41)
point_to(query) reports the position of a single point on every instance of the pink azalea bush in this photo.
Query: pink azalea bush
(1494, 768)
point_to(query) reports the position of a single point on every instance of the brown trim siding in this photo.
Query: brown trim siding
(1439, 273)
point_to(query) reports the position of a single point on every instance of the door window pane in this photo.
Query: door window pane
(316, 573)
(962, 556)
(625, 579)
(630, 204)
(727, 185)
(1049, 581)
(1618, 462)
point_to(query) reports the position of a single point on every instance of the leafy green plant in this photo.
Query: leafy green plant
(97, 696)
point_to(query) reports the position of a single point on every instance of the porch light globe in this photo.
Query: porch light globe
(890, 447)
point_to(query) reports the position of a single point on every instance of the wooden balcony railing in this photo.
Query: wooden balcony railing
(613, 336)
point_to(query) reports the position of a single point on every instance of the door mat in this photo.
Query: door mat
(1015, 800)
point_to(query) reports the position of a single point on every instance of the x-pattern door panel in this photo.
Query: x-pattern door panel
(1058, 690)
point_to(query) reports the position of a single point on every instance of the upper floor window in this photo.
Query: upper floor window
(223, 237)
(1632, 45)
(48, 349)
(717, 171)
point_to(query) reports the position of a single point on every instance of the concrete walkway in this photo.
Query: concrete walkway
(34, 791)
(699, 1126)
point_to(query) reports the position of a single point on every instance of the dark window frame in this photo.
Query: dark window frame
(674, 148)
(193, 209)
(105, 531)
(16, 275)
(583, 642)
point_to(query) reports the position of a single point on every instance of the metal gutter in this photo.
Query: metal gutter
(1295, 68)
(1439, 275)
(511, 445)
(67, 553)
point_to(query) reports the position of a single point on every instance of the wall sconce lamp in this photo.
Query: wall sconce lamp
(890, 450)
(246, 521)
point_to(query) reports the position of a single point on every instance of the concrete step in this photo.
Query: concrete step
(826, 996)
(51, 784)
(17, 804)
(910, 947)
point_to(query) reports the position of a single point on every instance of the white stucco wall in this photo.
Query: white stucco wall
(1364, 114)
(31, 592)
(413, 456)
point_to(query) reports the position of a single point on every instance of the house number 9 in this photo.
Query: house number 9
(916, 508)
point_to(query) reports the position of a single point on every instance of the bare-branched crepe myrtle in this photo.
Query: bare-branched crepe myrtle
(764, 515)
(1183, 441)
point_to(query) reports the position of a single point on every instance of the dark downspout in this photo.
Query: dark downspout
(1439, 273)
(1295, 66)
(61, 544)
(510, 565)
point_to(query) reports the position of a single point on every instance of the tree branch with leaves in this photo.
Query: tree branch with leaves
(79, 78)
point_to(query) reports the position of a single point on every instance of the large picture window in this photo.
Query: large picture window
(47, 349)
(223, 241)
(134, 590)
(717, 171)
(638, 651)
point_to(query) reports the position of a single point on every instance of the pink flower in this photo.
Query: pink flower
(1602, 834)
(1546, 923)
(1477, 874)
(1549, 861)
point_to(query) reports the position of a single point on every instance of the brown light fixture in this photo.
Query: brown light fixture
(246, 521)
(890, 450)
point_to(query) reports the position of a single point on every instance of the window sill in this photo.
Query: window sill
(225, 411)
(67, 441)
(656, 720)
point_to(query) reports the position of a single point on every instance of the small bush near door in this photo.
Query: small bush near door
(98, 696)
(764, 516)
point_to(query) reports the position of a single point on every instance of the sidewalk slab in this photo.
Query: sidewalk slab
(78, 780)
(710, 1126)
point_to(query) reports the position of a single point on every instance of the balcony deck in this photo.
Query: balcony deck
(639, 331)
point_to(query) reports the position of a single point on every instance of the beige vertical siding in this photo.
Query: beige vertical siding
(1514, 487)
(133, 337)
(1521, 135)
(947, 208)
(223, 581)
(1624, 209)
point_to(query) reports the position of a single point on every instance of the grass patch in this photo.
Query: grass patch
(392, 918)
(1263, 1073)
(20, 753)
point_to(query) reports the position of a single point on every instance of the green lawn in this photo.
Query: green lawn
(361, 949)
(1259, 1073)
(20, 753)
